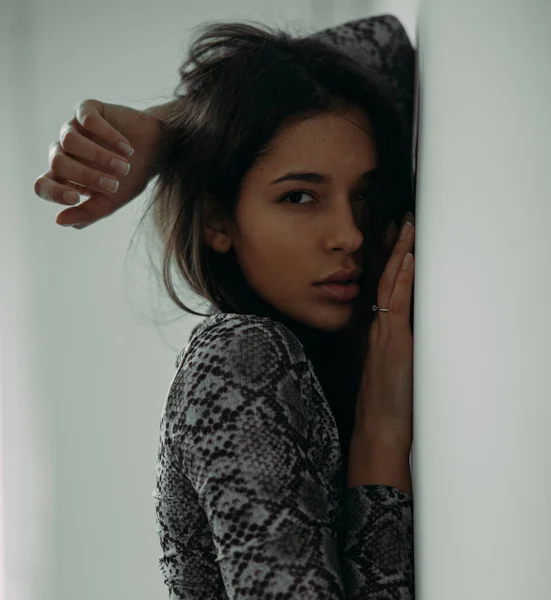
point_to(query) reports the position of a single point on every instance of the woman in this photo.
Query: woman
(283, 462)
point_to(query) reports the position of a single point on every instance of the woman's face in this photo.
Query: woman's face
(295, 232)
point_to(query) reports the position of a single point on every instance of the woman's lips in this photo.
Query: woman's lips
(343, 292)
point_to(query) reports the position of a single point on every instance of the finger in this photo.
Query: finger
(97, 207)
(388, 279)
(89, 114)
(74, 144)
(69, 169)
(400, 300)
(51, 188)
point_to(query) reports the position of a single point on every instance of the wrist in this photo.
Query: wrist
(157, 116)
(379, 460)
(392, 439)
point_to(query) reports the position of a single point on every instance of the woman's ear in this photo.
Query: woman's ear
(216, 230)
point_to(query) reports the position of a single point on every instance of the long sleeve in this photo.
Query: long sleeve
(254, 448)
(381, 44)
(377, 558)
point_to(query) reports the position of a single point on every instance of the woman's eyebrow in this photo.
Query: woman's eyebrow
(319, 177)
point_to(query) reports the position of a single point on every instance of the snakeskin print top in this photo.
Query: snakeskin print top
(250, 497)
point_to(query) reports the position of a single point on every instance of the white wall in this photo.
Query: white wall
(482, 400)
(84, 371)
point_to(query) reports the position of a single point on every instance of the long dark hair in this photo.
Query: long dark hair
(239, 86)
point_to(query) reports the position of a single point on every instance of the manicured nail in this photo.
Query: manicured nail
(405, 230)
(109, 184)
(121, 166)
(71, 197)
(408, 259)
(126, 149)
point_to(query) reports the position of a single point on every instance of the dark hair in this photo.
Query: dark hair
(239, 86)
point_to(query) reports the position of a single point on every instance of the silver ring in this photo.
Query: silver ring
(376, 308)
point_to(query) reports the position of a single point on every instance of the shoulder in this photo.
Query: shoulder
(240, 365)
(246, 339)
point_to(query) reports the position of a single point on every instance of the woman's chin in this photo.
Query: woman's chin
(332, 316)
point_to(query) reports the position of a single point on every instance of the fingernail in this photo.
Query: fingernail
(408, 258)
(80, 225)
(109, 184)
(405, 230)
(71, 197)
(126, 149)
(121, 166)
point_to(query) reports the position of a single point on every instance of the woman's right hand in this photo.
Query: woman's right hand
(384, 408)
(83, 154)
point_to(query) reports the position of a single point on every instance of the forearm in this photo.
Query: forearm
(378, 462)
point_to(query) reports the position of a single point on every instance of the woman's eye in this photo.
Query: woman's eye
(291, 196)
(295, 195)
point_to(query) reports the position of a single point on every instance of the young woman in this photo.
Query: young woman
(283, 464)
